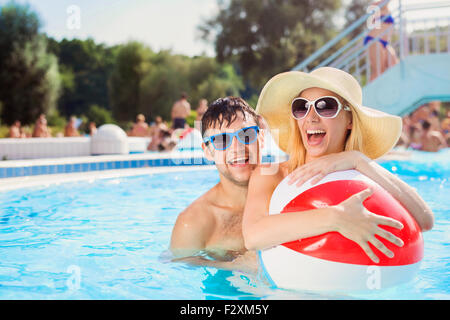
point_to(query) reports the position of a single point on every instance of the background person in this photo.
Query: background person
(382, 55)
(158, 125)
(41, 130)
(446, 130)
(140, 127)
(71, 128)
(92, 128)
(434, 111)
(431, 140)
(161, 141)
(15, 131)
(181, 109)
(201, 109)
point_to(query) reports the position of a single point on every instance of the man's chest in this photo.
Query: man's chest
(227, 234)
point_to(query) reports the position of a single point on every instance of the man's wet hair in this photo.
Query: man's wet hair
(225, 111)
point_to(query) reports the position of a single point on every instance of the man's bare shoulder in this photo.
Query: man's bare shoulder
(198, 214)
(193, 227)
(199, 210)
(177, 104)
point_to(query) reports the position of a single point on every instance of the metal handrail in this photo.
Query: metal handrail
(364, 47)
(303, 65)
(424, 6)
(348, 45)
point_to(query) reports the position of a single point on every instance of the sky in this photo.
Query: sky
(161, 24)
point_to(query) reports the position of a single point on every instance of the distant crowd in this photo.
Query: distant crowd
(422, 129)
(164, 137)
(42, 130)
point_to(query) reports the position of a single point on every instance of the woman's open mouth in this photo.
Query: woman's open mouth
(315, 137)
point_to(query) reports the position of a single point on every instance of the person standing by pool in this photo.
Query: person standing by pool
(180, 111)
(318, 116)
(381, 54)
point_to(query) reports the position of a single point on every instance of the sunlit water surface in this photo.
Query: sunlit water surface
(108, 239)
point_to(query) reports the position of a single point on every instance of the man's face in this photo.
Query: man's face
(237, 162)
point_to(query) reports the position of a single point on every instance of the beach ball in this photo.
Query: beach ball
(331, 262)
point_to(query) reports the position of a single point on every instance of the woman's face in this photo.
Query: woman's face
(323, 136)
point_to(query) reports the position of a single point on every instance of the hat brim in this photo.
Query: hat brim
(380, 130)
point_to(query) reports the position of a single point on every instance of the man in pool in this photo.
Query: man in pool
(212, 224)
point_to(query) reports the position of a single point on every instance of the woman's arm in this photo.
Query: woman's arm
(400, 190)
(347, 160)
(261, 230)
(350, 218)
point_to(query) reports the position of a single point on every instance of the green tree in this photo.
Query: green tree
(131, 66)
(85, 69)
(167, 78)
(99, 115)
(355, 10)
(224, 82)
(29, 75)
(210, 79)
(269, 36)
(201, 77)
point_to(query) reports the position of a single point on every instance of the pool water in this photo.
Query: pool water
(108, 239)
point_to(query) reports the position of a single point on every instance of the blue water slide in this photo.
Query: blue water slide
(415, 80)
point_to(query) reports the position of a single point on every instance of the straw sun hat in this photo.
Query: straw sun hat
(380, 130)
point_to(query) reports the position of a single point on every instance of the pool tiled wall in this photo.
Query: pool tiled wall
(11, 169)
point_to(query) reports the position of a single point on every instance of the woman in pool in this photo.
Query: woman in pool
(316, 117)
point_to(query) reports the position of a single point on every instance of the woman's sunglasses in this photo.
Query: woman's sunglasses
(222, 141)
(326, 107)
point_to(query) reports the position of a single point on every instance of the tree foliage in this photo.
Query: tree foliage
(269, 36)
(149, 83)
(355, 10)
(85, 69)
(99, 115)
(131, 65)
(29, 75)
(254, 39)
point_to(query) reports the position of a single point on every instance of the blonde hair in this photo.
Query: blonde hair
(297, 151)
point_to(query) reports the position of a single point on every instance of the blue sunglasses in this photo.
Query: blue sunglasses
(222, 141)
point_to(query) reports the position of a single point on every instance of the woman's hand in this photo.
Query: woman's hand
(319, 168)
(356, 223)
